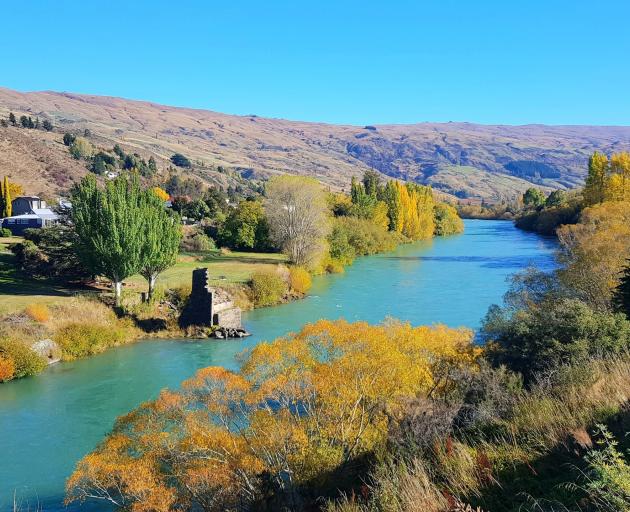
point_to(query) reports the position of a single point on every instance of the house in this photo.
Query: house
(29, 212)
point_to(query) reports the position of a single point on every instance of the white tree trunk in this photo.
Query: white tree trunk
(117, 285)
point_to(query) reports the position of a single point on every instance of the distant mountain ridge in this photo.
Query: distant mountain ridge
(492, 162)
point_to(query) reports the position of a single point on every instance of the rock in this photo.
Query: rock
(48, 350)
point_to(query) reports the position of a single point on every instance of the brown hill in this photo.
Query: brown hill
(463, 159)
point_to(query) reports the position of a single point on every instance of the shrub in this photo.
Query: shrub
(5, 232)
(38, 312)
(7, 368)
(26, 362)
(79, 339)
(195, 240)
(300, 280)
(551, 333)
(267, 288)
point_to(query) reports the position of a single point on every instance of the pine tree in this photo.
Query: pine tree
(12, 119)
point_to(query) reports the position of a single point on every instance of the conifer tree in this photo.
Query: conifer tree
(12, 119)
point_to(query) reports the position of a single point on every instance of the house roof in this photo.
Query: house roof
(33, 198)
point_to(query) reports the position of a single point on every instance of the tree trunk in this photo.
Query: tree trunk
(151, 280)
(117, 286)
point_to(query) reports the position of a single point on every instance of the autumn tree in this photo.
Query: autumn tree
(594, 252)
(301, 407)
(298, 217)
(110, 227)
(161, 193)
(6, 206)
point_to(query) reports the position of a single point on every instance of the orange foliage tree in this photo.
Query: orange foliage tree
(301, 407)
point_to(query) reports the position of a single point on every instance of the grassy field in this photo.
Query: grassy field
(18, 290)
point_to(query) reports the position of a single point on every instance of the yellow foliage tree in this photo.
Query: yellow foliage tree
(595, 251)
(161, 193)
(301, 407)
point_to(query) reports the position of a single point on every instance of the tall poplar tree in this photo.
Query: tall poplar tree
(162, 235)
(596, 181)
(110, 227)
(6, 203)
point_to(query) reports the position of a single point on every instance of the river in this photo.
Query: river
(48, 422)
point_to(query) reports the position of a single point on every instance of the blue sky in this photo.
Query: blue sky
(357, 62)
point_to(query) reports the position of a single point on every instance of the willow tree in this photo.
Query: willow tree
(110, 224)
(297, 211)
(162, 234)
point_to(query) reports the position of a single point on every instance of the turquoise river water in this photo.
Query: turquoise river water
(48, 422)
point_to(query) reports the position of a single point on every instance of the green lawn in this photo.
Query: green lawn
(18, 290)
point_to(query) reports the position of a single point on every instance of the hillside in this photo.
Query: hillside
(462, 159)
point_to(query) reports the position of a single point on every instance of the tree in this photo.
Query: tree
(47, 125)
(447, 221)
(533, 197)
(68, 139)
(301, 408)
(594, 252)
(161, 193)
(180, 160)
(12, 119)
(6, 206)
(81, 148)
(556, 199)
(162, 234)
(619, 177)
(298, 217)
(110, 225)
(24, 121)
(245, 227)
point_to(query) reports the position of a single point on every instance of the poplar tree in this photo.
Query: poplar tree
(596, 181)
(6, 206)
(110, 225)
(162, 235)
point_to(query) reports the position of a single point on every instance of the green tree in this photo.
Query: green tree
(180, 160)
(556, 198)
(81, 148)
(12, 119)
(47, 125)
(533, 197)
(110, 227)
(372, 183)
(162, 235)
(68, 139)
(245, 227)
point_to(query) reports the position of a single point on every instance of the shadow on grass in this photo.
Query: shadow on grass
(14, 282)
(241, 258)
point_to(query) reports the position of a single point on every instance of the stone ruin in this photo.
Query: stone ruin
(211, 307)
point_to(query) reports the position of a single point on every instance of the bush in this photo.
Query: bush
(38, 312)
(551, 333)
(195, 240)
(352, 237)
(180, 160)
(267, 288)
(25, 361)
(447, 220)
(79, 339)
(5, 232)
(7, 368)
(300, 280)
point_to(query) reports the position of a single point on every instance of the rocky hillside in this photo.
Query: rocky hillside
(462, 159)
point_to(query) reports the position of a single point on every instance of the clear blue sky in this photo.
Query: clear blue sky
(359, 62)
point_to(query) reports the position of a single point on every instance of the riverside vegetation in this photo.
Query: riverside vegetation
(121, 231)
(352, 417)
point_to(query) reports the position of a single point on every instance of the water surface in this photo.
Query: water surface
(48, 422)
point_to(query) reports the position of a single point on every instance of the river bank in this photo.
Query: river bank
(49, 422)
